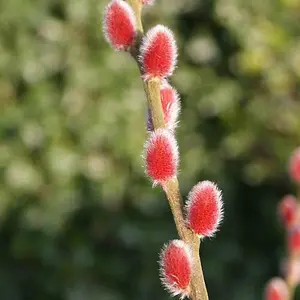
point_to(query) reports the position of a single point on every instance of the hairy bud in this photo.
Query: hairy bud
(294, 240)
(204, 208)
(294, 166)
(171, 107)
(119, 25)
(161, 156)
(176, 268)
(276, 289)
(158, 53)
(287, 210)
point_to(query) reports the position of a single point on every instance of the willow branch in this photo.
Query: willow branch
(291, 260)
(171, 187)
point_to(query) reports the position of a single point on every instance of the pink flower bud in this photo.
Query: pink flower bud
(171, 107)
(204, 208)
(294, 166)
(294, 240)
(161, 156)
(287, 210)
(119, 25)
(276, 289)
(147, 2)
(176, 268)
(158, 53)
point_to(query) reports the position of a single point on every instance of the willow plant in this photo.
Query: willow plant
(156, 56)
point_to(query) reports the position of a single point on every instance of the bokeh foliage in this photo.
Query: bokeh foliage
(78, 220)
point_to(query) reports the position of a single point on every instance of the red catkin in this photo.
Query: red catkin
(176, 268)
(287, 210)
(294, 240)
(161, 156)
(158, 53)
(170, 105)
(204, 208)
(119, 25)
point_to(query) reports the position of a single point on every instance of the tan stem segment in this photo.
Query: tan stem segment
(152, 89)
(172, 191)
(290, 277)
(198, 287)
(137, 8)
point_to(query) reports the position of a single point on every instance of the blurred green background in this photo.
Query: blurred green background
(78, 218)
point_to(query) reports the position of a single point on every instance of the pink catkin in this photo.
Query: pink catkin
(294, 166)
(158, 53)
(119, 25)
(276, 289)
(288, 210)
(176, 267)
(294, 240)
(161, 156)
(170, 105)
(204, 208)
